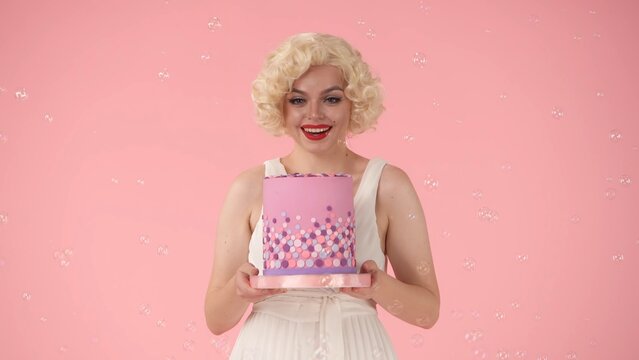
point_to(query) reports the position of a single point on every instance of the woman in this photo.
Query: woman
(316, 89)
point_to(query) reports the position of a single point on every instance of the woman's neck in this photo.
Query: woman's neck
(300, 161)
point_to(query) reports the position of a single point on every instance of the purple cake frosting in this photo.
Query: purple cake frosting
(308, 224)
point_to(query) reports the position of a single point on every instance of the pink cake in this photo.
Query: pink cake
(309, 224)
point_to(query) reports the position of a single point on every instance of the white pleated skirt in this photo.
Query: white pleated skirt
(313, 324)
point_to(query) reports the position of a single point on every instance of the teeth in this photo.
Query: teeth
(316, 131)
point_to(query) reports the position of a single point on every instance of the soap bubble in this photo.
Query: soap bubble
(431, 183)
(63, 257)
(424, 7)
(557, 113)
(220, 342)
(423, 267)
(419, 60)
(533, 19)
(520, 354)
(396, 307)
(327, 281)
(625, 180)
(487, 214)
(321, 348)
(190, 326)
(477, 194)
(479, 354)
(145, 309)
(423, 321)
(617, 258)
(188, 345)
(456, 314)
(21, 94)
(473, 336)
(417, 340)
(163, 250)
(214, 24)
(614, 135)
(469, 264)
(163, 75)
(144, 240)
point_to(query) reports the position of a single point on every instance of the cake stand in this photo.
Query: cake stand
(310, 281)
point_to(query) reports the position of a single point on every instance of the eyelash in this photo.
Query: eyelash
(331, 99)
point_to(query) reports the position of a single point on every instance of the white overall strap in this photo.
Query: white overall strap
(367, 234)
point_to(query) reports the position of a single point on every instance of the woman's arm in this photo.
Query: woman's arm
(413, 295)
(224, 307)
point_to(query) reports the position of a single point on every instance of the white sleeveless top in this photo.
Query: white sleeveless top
(367, 241)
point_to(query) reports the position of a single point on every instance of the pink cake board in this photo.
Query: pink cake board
(310, 281)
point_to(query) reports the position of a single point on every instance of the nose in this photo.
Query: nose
(314, 110)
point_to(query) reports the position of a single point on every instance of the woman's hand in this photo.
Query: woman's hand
(243, 286)
(365, 293)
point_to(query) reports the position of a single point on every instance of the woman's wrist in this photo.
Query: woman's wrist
(379, 282)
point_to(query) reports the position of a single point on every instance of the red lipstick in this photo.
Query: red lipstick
(316, 132)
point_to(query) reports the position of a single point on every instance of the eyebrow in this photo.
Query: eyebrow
(336, 87)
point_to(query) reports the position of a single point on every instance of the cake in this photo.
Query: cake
(308, 225)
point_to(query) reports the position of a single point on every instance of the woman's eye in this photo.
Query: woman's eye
(296, 101)
(333, 99)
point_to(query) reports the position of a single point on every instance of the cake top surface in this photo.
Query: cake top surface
(297, 175)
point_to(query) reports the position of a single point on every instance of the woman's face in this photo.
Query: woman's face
(316, 111)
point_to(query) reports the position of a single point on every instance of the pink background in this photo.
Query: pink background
(123, 123)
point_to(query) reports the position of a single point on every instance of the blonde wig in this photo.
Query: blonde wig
(293, 58)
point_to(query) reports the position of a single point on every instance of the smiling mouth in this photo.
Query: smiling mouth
(316, 132)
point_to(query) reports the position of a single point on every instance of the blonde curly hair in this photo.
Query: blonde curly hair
(293, 58)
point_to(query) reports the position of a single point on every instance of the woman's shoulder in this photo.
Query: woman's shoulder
(248, 183)
(393, 178)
